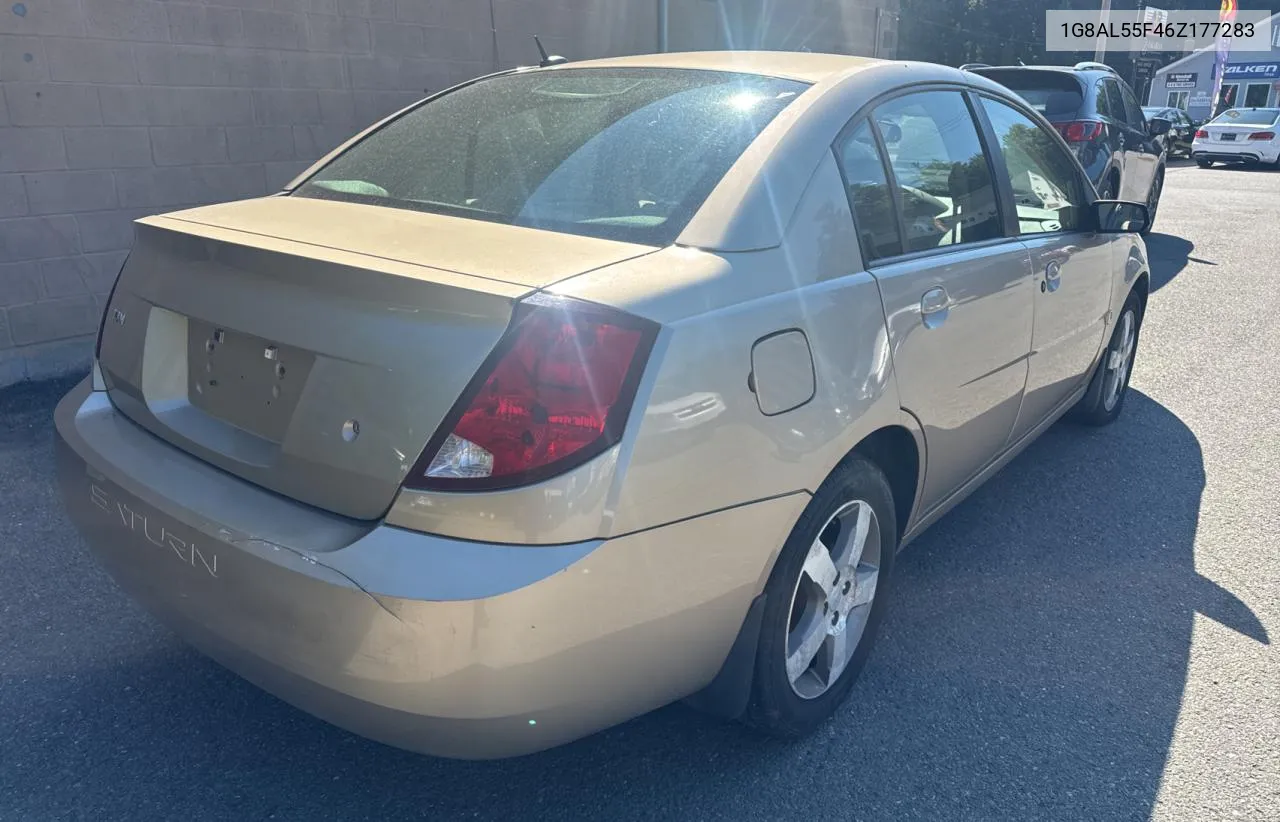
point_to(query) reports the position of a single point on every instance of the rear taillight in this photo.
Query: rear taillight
(1201, 134)
(1080, 131)
(555, 393)
(1262, 135)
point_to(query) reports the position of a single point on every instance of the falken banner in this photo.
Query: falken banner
(1227, 14)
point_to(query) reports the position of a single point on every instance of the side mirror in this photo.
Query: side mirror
(891, 132)
(1158, 127)
(1119, 217)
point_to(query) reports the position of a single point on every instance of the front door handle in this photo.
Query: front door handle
(1052, 276)
(935, 305)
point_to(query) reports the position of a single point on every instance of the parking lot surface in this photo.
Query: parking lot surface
(1093, 635)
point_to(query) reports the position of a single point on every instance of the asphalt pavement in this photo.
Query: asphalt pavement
(1091, 636)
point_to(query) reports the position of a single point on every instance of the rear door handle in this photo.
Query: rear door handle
(935, 306)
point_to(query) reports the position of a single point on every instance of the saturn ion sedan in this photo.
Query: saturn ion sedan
(572, 392)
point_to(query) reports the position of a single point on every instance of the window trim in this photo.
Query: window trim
(864, 113)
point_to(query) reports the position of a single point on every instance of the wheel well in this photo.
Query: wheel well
(894, 450)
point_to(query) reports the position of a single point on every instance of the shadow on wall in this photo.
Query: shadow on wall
(1032, 666)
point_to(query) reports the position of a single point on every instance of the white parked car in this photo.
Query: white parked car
(1239, 135)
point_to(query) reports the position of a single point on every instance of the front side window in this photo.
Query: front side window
(1047, 192)
(874, 213)
(627, 154)
(942, 174)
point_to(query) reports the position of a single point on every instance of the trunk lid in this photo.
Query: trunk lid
(313, 347)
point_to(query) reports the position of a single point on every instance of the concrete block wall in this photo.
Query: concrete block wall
(115, 109)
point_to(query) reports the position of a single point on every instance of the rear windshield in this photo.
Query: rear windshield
(626, 154)
(1056, 96)
(1248, 117)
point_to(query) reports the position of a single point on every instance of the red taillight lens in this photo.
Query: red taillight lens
(1201, 134)
(555, 393)
(1262, 135)
(1080, 131)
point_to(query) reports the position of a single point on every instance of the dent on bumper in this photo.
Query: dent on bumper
(436, 645)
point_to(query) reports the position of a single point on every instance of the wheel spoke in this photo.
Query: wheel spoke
(852, 555)
(865, 579)
(812, 635)
(833, 658)
(819, 567)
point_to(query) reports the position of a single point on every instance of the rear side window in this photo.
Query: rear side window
(1103, 104)
(1115, 102)
(1056, 95)
(627, 154)
(943, 177)
(870, 198)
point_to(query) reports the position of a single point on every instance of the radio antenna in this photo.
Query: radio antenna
(548, 59)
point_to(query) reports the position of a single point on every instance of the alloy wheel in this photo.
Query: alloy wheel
(1119, 361)
(832, 599)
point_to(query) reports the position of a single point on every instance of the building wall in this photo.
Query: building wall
(1199, 96)
(115, 109)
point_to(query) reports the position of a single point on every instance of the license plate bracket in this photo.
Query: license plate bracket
(244, 380)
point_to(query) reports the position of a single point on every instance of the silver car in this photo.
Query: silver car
(575, 391)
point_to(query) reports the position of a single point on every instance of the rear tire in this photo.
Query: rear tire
(1104, 399)
(802, 612)
(1204, 163)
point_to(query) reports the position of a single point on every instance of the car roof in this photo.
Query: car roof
(805, 66)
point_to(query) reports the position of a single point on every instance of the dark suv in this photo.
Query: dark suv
(1099, 116)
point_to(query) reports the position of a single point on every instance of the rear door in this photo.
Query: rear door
(956, 291)
(1071, 265)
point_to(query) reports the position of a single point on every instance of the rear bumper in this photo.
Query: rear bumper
(448, 647)
(1244, 153)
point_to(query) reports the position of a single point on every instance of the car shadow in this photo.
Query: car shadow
(1168, 256)
(1260, 168)
(1031, 666)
